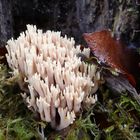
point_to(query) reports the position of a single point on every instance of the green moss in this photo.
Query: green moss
(16, 121)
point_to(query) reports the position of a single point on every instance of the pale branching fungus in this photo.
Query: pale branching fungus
(58, 82)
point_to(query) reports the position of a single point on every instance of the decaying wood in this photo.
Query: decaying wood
(120, 85)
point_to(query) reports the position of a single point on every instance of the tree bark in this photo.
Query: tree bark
(6, 28)
(121, 16)
(72, 17)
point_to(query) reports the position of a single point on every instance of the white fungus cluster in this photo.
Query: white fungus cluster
(59, 83)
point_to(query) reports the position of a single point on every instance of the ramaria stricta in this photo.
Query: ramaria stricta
(58, 82)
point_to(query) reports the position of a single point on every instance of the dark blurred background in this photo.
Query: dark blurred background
(72, 17)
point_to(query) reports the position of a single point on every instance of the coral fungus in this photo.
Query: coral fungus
(58, 82)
